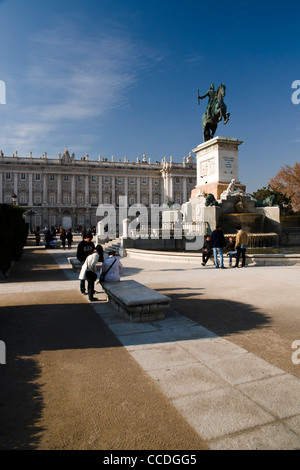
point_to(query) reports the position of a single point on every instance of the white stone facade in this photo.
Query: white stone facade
(65, 191)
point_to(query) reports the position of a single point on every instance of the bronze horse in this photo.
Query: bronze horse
(218, 111)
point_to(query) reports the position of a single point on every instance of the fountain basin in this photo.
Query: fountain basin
(259, 240)
(251, 222)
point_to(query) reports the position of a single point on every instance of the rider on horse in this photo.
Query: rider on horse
(215, 112)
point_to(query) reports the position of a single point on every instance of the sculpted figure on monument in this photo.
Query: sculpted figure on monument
(268, 202)
(211, 200)
(232, 189)
(216, 111)
(211, 96)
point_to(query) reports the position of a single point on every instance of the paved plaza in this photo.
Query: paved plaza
(219, 372)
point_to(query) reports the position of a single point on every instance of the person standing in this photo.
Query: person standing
(231, 251)
(84, 248)
(37, 236)
(241, 246)
(218, 244)
(69, 238)
(88, 270)
(63, 237)
(207, 250)
(48, 239)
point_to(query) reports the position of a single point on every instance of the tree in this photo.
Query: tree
(287, 181)
(281, 199)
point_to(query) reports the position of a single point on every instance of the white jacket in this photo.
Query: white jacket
(89, 265)
(113, 274)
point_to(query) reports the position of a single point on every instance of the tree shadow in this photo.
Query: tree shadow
(27, 331)
(65, 325)
(222, 317)
(129, 271)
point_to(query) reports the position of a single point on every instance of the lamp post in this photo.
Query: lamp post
(14, 199)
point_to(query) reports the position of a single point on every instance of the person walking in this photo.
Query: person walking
(207, 250)
(85, 247)
(241, 246)
(88, 270)
(218, 244)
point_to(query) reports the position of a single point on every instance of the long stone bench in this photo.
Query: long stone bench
(136, 302)
(76, 264)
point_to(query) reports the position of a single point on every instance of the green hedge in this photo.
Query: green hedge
(13, 234)
(290, 220)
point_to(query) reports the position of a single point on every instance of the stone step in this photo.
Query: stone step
(112, 245)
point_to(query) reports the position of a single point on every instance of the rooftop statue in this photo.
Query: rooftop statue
(216, 111)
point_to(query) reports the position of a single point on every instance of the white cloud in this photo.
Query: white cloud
(71, 78)
(82, 77)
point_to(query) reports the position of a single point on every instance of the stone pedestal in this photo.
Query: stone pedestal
(217, 165)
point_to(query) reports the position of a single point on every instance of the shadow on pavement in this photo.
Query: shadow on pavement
(27, 331)
(62, 322)
(222, 317)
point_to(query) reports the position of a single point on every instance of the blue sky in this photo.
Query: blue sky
(121, 77)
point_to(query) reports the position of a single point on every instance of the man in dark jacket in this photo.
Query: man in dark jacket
(218, 244)
(207, 250)
(85, 247)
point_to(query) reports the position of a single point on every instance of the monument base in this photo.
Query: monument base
(217, 165)
(214, 188)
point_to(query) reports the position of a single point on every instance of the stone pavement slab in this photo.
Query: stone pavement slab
(233, 398)
(220, 412)
(68, 384)
(228, 392)
(280, 394)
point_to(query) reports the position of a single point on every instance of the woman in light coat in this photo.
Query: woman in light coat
(113, 275)
(88, 271)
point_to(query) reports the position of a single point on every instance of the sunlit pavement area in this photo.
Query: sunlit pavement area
(219, 372)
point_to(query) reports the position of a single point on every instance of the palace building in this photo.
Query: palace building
(66, 192)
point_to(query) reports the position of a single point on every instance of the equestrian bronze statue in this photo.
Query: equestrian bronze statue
(216, 111)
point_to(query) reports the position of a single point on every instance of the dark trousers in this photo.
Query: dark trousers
(240, 252)
(91, 289)
(206, 255)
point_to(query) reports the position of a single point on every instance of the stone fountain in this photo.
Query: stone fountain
(220, 198)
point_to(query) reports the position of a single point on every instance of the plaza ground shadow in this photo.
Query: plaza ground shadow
(222, 317)
(27, 331)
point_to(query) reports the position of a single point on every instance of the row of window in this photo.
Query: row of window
(53, 220)
(66, 200)
(52, 177)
